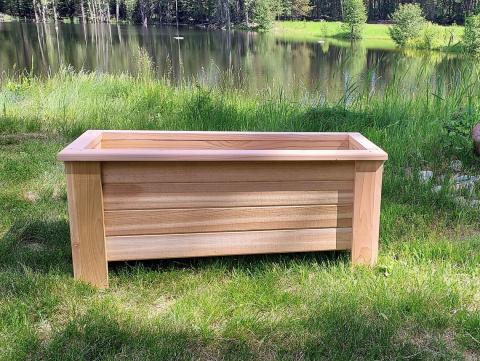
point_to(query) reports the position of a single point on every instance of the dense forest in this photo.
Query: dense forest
(221, 13)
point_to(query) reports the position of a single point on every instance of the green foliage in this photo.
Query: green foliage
(354, 18)
(408, 22)
(471, 38)
(432, 36)
(268, 307)
(264, 14)
(456, 133)
(239, 11)
(297, 9)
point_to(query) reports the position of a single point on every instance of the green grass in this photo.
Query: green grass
(421, 302)
(375, 36)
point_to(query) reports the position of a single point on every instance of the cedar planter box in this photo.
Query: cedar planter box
(148, 195)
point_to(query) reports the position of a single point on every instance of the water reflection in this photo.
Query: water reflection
(245, 60)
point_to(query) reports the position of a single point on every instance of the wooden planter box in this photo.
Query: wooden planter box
(148, 195)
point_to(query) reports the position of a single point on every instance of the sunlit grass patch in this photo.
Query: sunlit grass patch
(420, 302)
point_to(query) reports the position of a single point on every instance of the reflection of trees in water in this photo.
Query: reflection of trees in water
(244, 60)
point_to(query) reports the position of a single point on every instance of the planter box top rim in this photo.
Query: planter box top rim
(129, 145)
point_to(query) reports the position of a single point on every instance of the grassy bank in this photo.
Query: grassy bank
(422, 301)
(374, 35)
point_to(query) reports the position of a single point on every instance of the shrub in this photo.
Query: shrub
(264, 14)
(471, 38)
(354, 17)
(431, 37)
(408, 23)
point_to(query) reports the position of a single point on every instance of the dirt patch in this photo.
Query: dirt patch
(161, 305)
(35, 246)
(31, 196)
(44, 330)
(471, 355)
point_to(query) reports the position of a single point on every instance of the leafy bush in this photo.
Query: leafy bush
(471, 38)
(456, 134)
(432, 36)
(354, 17)
(408, 23)
(264, 14)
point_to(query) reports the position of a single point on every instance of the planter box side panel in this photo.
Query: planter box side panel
(188, 209)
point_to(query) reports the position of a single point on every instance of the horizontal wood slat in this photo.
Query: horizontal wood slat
(227, 243)
(205, 172)
(222, 144)
(159, 221)
(145, 200)
(235, 194)
(188, 135)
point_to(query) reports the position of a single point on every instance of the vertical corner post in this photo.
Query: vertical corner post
(366, 211)
(87, 233)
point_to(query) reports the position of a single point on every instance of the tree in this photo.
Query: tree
(354, 18)
(264, 14)
(297, 9)
(471, 38)
(408, 22)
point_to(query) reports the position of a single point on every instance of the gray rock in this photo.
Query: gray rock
(461, 178)
(468, 185)
(425, 175)
(456, 165)
(475, 203)
(437, 189)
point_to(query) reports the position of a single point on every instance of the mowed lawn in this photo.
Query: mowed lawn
(375, 36)
(421, 302)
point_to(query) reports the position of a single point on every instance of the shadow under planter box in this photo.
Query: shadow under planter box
(136, 195)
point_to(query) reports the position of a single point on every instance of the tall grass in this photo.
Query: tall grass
(420, 302)
(409, 123)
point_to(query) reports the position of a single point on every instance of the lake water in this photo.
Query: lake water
(244, 60)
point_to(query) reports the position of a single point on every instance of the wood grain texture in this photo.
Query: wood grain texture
(197, 220)
(366, 214)
(87, 234)
(214, 155)
(234, 194)
(189, 194)
(227, 243)
(222, 144)
(207, 172)
(216, 135)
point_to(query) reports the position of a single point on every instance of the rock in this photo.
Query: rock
(425, 175)
(463, 181)
(461, 178)
(476, 138)
(475, 203)
(456, 165)
(437, 189)
(468, 185)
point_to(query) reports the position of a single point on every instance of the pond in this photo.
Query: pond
(244, 60)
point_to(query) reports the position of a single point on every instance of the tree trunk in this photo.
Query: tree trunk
(54, 6)
(227, 13)
(83, 11)
(35, 11)
(117, 10)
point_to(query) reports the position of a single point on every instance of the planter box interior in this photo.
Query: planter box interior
(149, 195)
